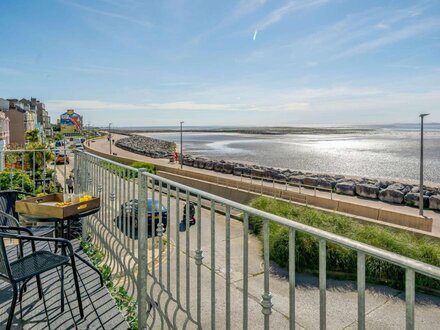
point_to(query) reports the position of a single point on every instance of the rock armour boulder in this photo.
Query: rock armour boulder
(434, 202)
(367, 190)
(391, 196)
(346, 188)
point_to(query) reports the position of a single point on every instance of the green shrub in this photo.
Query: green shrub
(14, 180)
(123, 172)
(148, 166)
(339, 258)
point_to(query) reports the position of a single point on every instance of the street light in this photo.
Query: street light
(89, 135)
(422, 115)
(110, 137)
(181, 145)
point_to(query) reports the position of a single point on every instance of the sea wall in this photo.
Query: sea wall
(147, 146)
(384, 190)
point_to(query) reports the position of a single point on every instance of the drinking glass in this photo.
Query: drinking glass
(75, 198)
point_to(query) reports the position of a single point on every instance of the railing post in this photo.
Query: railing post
(64, 165)
(292, 280)
(266, 298)
(86, 181)
(361, 289)
(76, 172)
(84, 170)
(322, 284)
(409, 298)
(142, 250)
(2, 155)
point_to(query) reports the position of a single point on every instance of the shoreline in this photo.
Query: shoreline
(414, 182)
(391, 191)
(253, 130)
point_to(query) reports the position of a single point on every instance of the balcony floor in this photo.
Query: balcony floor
(100, 310)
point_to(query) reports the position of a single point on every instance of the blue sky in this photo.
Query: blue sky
(244, 62)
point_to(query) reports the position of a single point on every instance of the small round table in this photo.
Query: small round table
(60, 230)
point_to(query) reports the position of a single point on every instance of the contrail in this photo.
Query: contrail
(255, 35)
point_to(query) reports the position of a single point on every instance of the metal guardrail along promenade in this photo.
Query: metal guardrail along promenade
(174, 274)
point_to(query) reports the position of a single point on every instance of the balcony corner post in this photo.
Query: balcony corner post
(142, 250)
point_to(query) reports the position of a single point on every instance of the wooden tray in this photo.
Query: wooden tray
(44, 206)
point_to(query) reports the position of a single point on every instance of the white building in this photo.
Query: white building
(4, 123)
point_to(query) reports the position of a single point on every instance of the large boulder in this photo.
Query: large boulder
(188, 161)
(326, 183)
(434, 202)
(279, 176)
(367, 190)
(228, 168)
(239, 170)
(400, 187)
(268, 174)
(311, 181)
(396, 186)
(199, 162)
(257, 173)
(346, 188)
(297, 179)
(209, 165)
(218, 166)
(391, 196)
(412, 199)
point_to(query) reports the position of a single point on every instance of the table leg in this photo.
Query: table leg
(68, 236)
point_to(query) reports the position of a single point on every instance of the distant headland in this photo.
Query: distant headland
(249, 130)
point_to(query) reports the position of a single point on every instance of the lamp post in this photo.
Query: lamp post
(110, 137)
(181, 145)
(89, 134)
(422, 115)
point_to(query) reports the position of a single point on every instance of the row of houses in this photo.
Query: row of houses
(17, 117)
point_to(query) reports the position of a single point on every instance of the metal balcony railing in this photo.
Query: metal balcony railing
(199, 276)
(184, 279)
(33, 170)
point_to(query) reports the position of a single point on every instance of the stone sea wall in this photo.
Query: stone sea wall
(147, 146)
(387, 191)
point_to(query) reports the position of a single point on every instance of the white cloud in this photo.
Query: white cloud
(364, 31)
(290, 7)
(244, 8)
(105, 13)
(350, 101)
(90, 105)
(392, 37)
(382, 26)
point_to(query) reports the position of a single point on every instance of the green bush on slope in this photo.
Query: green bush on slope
(339, 258)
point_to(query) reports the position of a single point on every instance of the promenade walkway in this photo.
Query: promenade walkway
(102, 145)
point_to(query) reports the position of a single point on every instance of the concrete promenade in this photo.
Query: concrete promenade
(102, 145)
